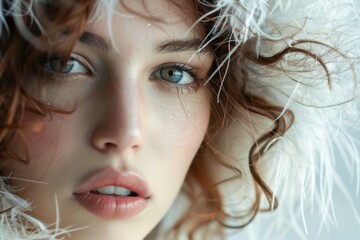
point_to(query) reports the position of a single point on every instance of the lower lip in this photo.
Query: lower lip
(111, 207)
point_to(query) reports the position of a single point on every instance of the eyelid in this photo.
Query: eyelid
(175, 87)
(181, 66)
(43, 59)
(84, 61)
(58, 77)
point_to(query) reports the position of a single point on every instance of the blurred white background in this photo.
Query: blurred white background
(346, 209)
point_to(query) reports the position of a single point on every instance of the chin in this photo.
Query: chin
(110, 231)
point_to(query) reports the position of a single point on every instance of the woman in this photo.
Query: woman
(111, 108)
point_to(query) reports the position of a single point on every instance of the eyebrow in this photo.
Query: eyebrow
(95, 40)
(171, 46)
(168, 46)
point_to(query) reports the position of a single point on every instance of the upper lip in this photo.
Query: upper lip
(111, 177)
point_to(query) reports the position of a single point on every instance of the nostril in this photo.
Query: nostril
(135, 147)
(110, 145)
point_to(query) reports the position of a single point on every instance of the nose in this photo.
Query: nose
(119, 127)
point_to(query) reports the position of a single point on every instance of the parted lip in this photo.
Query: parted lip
(112, 177)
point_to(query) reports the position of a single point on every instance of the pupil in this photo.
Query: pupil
(171, 74)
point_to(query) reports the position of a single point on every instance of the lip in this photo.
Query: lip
(110, 206)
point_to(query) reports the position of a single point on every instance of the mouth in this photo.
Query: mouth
(112, 194)
(114, 191)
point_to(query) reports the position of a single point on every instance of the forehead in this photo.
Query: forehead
(131, 21)
(158, 12)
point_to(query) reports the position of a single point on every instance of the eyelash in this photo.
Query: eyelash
(175, 87)
(45, 62)
(170, 86)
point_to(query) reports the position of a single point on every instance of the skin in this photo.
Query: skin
(126, 117)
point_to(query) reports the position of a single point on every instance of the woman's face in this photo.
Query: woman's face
(117, 162)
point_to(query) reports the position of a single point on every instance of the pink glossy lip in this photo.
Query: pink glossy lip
(110, 206)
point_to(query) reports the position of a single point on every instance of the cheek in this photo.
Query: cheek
(183, 125)
(184, 122)
(39, 146)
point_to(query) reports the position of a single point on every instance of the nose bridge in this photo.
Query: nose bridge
(127, 107)
(121, 126)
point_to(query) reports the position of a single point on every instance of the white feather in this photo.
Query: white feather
(16, 222)
(307, 151)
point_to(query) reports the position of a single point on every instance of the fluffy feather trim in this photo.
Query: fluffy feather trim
(303, 166)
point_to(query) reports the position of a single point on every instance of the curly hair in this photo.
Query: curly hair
(234, 101)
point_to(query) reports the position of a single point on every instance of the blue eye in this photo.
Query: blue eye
(57, 65)
(175, 74)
